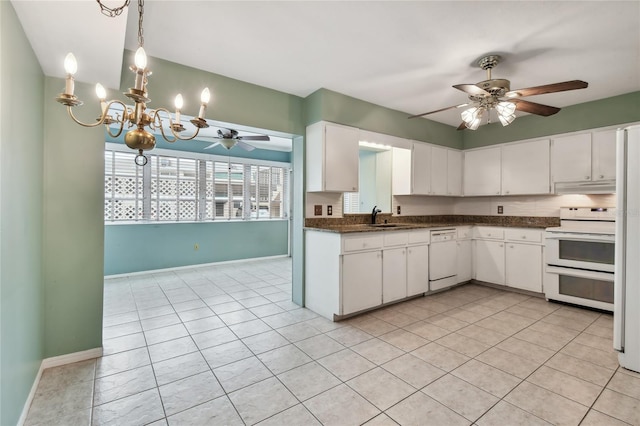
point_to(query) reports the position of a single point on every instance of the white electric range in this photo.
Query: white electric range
(580, 257)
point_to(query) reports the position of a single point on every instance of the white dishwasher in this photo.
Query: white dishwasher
(443, 259)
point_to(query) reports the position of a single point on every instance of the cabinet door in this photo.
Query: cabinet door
(420, 168)
(464, 261)
(394, 274)
(361, 281)
(401, 171)
(341, 158)
(454, 172)
(604, 155)
(482, 172)
(525, 168)
(438, 171)
(489, 261)
(571, 158)
(524, 266)
(417, 270)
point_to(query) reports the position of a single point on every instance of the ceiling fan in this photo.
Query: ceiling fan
(230, 138)
(497, 94)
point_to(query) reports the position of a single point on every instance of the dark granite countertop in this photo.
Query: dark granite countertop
(354, 223)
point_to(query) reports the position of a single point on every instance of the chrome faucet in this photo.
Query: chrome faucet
(374, 213)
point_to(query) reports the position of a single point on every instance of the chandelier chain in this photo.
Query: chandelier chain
(112, 12)
(140, 16)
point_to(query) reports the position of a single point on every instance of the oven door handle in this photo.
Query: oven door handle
(582, 238)
(582, 273)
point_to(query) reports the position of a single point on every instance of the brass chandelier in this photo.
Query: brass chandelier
(137, 116)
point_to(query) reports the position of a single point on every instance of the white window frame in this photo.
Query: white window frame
(201, 214)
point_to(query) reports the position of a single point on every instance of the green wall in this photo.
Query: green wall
(141, 247)
(73, 226)
(21, 180)
(331, 106)
(603, 112)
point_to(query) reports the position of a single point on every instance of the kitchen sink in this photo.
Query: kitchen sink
(385, 225)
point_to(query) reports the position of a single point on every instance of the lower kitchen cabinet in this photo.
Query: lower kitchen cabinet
(524, 266)
(418, 270)
(465, 261)
(362, 281)
(490, 261)
(394, 274)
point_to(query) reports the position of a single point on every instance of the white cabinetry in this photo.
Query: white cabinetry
(584, 157)
(525, 168)
(523, 259)
(394, 274)
(481, 174)
(454, 172)
(417, 269)
(465, 259)
(332, 158)
(604, 155)
(427, 170)
(571, 158)
(361, 281)
(509, 256)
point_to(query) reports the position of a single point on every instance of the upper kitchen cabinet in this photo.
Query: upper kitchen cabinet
(571, 158)
(427, 170)
(584, 157)
(603, 148)
(332, 158)
(525, 168)
(481, 175)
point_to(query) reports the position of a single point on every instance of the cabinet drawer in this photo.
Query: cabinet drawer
(367, 242)
(488, 233)
(394, 238)
(419, 237)
(464, 232)
(528, 235)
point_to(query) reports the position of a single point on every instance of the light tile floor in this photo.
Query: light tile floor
(224, 345)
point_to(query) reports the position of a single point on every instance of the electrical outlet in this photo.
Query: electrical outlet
(398, 209)
(500, 210)
(329, 210)
(317, 210)
(196, 246)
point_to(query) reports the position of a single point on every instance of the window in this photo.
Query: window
(193, 187)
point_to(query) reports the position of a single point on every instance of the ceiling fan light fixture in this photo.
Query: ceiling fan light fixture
(505, 108)
(505, 120)
(470, 114)
(228, 143)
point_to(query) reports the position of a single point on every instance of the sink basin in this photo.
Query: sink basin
(385, 225)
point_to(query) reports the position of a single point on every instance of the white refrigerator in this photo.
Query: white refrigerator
(626, 315)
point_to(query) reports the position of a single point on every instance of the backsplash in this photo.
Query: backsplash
(414, 205)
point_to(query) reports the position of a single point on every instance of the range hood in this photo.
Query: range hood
(587, 187)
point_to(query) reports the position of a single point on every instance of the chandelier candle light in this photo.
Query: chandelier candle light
(138, 115)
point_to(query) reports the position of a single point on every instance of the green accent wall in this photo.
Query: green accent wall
(335, 107)
(589, 115)
(73, 225)
(21, 189)
(142, 247)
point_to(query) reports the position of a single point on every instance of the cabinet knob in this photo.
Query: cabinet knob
(498, 193)
(506, 192)
(601, 176)
(524, 237)
(501, 245)
(587, 177)
(511, 246)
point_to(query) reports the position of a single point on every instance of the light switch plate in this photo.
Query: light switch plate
(398, 209)
(329, 210)
(500, 210)
(317, 210)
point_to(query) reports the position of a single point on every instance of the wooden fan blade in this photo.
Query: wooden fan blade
(439, 110)
(255, 138)
(462, 126)
(213, 145)
(548, 88)
(472, 89)
(245, 146)
(534, 108)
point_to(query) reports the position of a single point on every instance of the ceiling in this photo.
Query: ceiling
(404, 55)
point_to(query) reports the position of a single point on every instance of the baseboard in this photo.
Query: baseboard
(199, 265)
(55, 361)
